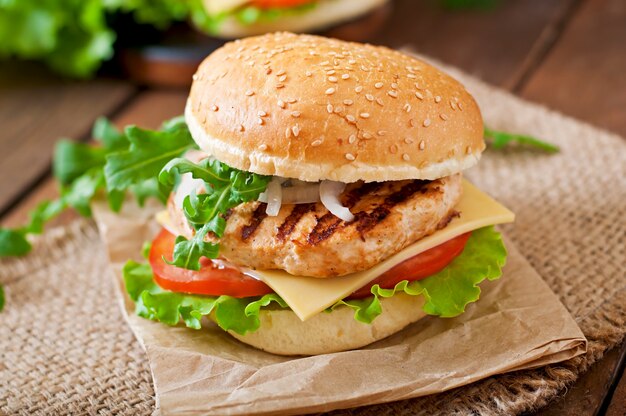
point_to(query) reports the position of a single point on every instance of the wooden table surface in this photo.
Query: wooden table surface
(567, 54)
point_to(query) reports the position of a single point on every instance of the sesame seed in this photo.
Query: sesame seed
(241, 127)
(282, 78)
(330, 91)
(268, 71)
(405, 157)
(348, 102)
(352, 138)
(332, 79)
(365, 69)
(394, 85)
(308, 73)
(295, 130)
(330, 72)
(194, 77)
(443, 117)
(407, 107)
(408, 141)
(379, 102)
(358, 89)
(281, 72)
(350, 156)
(345, 76)
(291, 100)
(295, 114)
(426, 122)
(379, 85)
(364, 115)
(367, 135)
(352, 62)
(329, 108)
(369, 97)
(249, 93)
(422, 145)
(437, 99)
(279, 86)
(350, 118)
(392, 93)
(316, 143)
(338, 109)
(412, 123)
(287, 132)
(325, 63)
(468, 150)
(262, 147)
(393, 149)
(418, 86)
(281, 104)
(412, 76)
(460, 104)
(452, 105)
(261, 113)
(214, 107)
(381, 132)
(260, 121)
(419, 95)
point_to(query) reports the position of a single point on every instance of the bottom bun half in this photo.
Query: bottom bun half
(282, 332)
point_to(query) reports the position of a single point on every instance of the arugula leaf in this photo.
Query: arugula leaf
(1, 298)
(149, 151)
(13, 243)
(152, 302)
(105, 132)
(227, 188)
(43, 212)
(73, 159)
(500, 139)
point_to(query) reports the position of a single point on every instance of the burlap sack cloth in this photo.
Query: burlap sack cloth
(65, 348)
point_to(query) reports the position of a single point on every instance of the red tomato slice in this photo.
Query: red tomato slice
(417, 267)
(215, 280)
(268, 4)
(209, 280)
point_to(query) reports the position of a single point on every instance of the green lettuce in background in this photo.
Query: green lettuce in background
(447, 293)
(74, 37)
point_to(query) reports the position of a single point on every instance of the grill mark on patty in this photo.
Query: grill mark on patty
(257, 217)
(290, 223)
(365, 221)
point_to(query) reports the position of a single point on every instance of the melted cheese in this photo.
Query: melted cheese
(308, 296)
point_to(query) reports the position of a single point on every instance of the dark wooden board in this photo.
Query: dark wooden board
(148, 109)
(494, 44)
(585, 73)
(35, 110)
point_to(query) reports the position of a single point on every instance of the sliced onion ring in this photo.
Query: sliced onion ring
(329, 194)
(274, 195)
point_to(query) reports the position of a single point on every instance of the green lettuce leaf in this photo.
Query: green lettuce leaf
(152, 302)
(1, 298)
(447, 293)
(501, 139)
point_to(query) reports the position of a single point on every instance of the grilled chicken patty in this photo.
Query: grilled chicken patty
(307, 240)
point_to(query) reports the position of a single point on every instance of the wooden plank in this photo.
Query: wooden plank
(617, 406)
(585, 74)
(494, 44)
(36, 109)
(148, 109)
(587, 396)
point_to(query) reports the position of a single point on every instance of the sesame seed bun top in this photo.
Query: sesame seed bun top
(313, 108)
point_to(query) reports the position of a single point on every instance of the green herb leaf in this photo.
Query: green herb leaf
(1, 298)
(13, 243)
(80, 193)
(111, 138)
(43, 212)
(149, 151)
(226, 188)
(73, 159)
(500, 139)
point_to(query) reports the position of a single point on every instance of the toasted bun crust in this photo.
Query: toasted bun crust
(314, 108)
(282, 332)
(326, 13)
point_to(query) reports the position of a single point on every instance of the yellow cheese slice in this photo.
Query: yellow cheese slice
(308, 296)
(214, 7)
